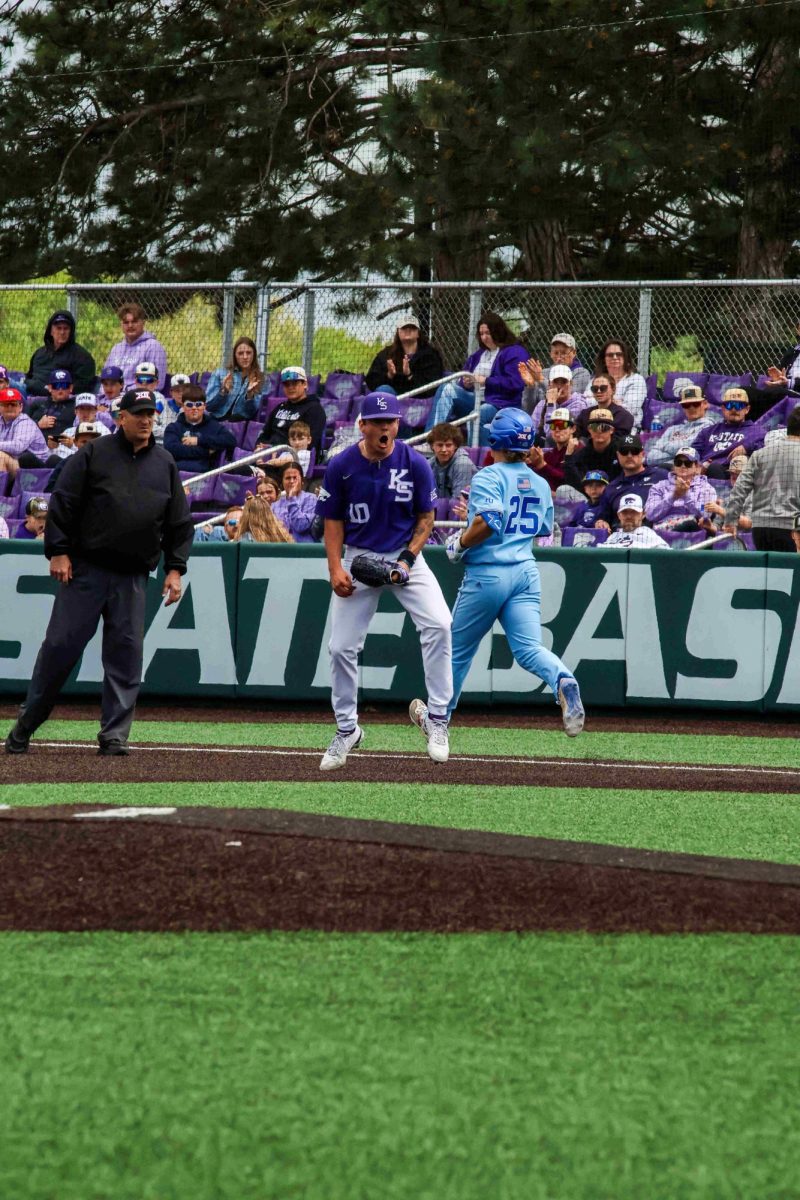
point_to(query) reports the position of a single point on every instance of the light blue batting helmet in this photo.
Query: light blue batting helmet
(511, 429)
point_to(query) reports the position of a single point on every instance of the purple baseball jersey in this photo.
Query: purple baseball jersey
(378, 501)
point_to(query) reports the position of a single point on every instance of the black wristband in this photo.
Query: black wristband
(408, 557)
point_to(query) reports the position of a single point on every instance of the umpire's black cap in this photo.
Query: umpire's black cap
(137, 401)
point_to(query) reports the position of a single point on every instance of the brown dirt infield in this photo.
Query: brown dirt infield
(76, 763)
(206, 869)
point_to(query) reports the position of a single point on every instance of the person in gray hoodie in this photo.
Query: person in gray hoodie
(60, 352)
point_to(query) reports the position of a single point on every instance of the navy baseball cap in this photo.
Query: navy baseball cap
(111, 373)
(380, 406)
(595, 477)
(60, 379)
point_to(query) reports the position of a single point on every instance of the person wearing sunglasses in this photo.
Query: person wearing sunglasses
(615, 359)
(679, 502)
(225, 532)
(598, 454)
(603, 391)
(549, 463)
(636, 477)
(661, 450)
(536, 377)
(560, 393)
(717, 445)
(195, 439)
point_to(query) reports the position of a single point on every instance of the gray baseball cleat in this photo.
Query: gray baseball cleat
(336, 754)
(434, 731)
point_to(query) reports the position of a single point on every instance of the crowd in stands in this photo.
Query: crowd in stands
(628, 464)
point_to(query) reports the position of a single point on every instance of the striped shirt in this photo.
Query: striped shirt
(20, 435)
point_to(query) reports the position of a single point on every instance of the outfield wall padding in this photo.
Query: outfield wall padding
(708, 629)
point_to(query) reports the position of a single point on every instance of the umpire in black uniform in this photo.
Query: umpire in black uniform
(117, 505)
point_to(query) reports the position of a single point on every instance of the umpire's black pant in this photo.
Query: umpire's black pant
(93, 592)
(765, 538)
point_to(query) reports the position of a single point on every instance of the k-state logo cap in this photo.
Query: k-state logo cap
(377, 406)
(60, 379)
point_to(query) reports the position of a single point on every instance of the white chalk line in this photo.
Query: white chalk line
(495, 759)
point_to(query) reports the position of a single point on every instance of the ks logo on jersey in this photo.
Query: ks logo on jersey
(398, 483)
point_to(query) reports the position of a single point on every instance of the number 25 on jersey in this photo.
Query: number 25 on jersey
(522, 517)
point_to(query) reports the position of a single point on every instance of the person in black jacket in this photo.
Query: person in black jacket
(599, 453)
(409, 362)
(60, 352)
(117, 507)
(194, 439)
(298, 406)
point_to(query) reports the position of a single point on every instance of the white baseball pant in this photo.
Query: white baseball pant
(350, 617)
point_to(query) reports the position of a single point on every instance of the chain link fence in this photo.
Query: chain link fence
(728, 327)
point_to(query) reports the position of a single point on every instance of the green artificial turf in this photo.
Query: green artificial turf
(628, 747)
(231, 1067)
(738, 825)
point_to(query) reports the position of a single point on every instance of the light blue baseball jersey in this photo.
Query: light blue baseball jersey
(517, 505)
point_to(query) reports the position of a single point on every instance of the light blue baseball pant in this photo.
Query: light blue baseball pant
(510, 593)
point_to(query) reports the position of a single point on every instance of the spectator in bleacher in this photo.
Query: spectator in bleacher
(560, 393)
(716, 509)
(298, 406)
(56, 414)
(771, 477)
(410, 362)
(636, 477)
(87, 431)
(495, 364)
(599, 454)
(679, 501)
(268, 489)
(661, 451)
(147, 380)
(194, 439)
(86, 412)
(632, 533)
(734, 432)
(451, 465)
(586, 515)
(60, 352)
(234, 393)
(7, 381)
(549, 463)
(795, 532)
(258, 523)
(110, 387)
(299, 439)
(137, 346)
(603, 391)
(101, 409)
(22, 442)
(786, 376)
(537, 378)
(295, 508)
(615, 359)
(223, 531)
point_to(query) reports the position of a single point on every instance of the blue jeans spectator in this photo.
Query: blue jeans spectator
(451, 401)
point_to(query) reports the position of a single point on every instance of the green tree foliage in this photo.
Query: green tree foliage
(453, 139)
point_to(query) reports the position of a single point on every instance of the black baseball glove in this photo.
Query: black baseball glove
(377, 572)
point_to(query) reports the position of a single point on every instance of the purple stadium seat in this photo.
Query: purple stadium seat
(3, 482)
(14, 527)
(251, 435)
(232, 489)
(777, 416)
(681, 541)
(667, 412)
(202, 495)
(31, 479)
(476, 453)
(575, 536)
(416, 411)
(565, 511)
(682, 379)
(204, 378)
(9, 507)
(337, 409)
(651, 382)
(717, 384)
(342, 385)
(268, 405)
(16, 377)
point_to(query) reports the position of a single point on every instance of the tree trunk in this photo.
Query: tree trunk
(546, 254)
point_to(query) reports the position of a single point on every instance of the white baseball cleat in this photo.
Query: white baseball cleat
(569, 697)
(336, 754)
(435, 731)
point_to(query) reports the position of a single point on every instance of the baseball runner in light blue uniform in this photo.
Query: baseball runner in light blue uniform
(508, 506)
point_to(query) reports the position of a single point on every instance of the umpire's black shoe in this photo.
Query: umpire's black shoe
(113, 750)
(18, 740)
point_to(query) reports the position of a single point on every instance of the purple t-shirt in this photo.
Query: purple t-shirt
(378, 501)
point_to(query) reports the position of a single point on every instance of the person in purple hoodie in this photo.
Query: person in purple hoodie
(493, 366)
(137, 346)
(717, 445)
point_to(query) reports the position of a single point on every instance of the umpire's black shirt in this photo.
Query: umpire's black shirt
(119, 508)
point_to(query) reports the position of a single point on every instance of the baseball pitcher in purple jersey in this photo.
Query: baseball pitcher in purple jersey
(378, 499)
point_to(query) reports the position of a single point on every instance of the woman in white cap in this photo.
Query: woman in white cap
(408, 363)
